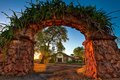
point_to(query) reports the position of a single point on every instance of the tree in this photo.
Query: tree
(72, 54)
(60, 47)
(45, 54)
(49, 38)
(79, 52)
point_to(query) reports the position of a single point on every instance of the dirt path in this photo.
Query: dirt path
(63, 72)
(54, 72)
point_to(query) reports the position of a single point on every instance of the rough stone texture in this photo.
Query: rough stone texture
(19, 58)
(102, 56)
(107, 57)
(90, 62)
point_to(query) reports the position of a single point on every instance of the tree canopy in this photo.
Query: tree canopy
(52, 36)
(60, 47)
(49, 38)
(78, 51)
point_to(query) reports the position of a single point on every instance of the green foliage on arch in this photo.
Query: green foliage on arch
(39, 11)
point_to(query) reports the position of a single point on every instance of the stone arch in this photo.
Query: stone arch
(101, 52)
(98, 62)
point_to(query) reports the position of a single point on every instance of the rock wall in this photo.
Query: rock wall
(19, 58)
(107, 57)
(102, 59)
(90, 62)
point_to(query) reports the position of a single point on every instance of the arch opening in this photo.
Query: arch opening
(34, 28)
(60, 59)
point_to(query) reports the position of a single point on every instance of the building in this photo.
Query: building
(61, 57)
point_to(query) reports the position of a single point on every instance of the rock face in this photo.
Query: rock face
(19, 58)
(107, 57)
(102, 59)
(90, 67)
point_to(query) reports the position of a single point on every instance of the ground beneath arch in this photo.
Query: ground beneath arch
(54, 72)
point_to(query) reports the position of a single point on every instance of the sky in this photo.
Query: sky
(75, 37)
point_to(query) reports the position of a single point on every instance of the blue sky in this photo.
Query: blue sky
(76, 38)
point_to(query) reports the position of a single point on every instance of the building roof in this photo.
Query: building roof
(62, 54)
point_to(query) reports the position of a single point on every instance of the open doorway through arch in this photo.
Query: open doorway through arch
(59, 59)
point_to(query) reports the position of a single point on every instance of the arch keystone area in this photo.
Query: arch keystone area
(102, 56)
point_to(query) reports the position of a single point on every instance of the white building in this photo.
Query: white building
(61, 57)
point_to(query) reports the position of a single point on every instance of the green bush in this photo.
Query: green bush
(70, 62)
(52, 60)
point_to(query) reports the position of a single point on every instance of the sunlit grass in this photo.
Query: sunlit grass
(81, 70)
